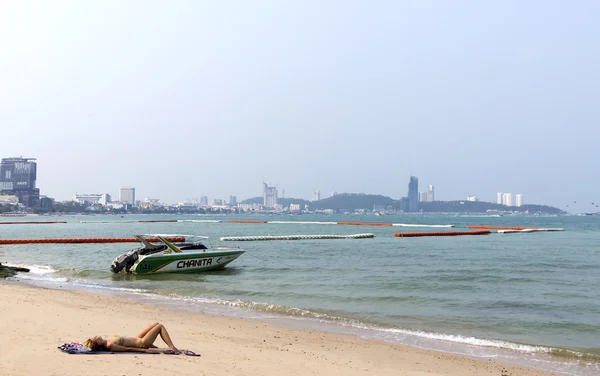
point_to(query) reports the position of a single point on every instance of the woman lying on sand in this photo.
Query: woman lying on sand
(143, 342)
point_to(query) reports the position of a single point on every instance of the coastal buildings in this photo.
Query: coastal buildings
(127, 195)
(472, 198)
(269, 196)
(316, 196)
(413, 194)
(92, 198)
(519, 200)
(507, 199)
(232, 200)
(203, 201)
(18, 178)
(9, 200)
(149, 203)
(430, 194)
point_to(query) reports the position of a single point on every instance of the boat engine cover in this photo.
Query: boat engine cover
(126, 260)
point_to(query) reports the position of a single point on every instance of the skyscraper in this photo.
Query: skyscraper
(203, 201)
(499, 197)
(269, 196)
(413, 194)
(232, 200)
(128, 195)
(316, 196)
(17, 178)
(430, 195)
(519, 200)
(507, 199)
(423, 196)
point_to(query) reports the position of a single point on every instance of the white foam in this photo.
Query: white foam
(468, 340)
(38, 269)
(199, 220)
(42, 278)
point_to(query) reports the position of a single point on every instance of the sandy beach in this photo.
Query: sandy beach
(37, 320)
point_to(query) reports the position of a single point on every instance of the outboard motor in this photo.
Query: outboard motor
(126, 260)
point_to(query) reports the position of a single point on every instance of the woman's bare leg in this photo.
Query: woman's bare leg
(150, 337)
(143, 332)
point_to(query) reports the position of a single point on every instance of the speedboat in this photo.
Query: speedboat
(173, 256)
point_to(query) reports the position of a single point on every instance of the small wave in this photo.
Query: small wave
(266, 307)
(38, 269)
(469, 340)
(109, 288)
(42, 278)
(591, 355)
(398, 334)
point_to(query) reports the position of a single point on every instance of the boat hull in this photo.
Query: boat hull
(192, 262)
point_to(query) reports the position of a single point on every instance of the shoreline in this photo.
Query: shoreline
(39, 319)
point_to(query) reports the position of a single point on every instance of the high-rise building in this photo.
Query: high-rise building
(507, 199)
(316, 196)
(17, 178)
(499, 196)
(203, 201)
(413, 194)
(269, 196)
(430, 194)
(127, 195)
(232, 201)
(423, 196)
(519, 200)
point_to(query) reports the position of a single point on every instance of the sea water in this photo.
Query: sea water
(531, 299)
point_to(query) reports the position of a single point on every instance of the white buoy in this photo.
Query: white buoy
(295, 237)
(417, 225)
(530, 230)
(199, 220)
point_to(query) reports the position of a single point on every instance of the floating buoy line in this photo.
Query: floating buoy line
(295, 237)
(441, 233)
(85, 240)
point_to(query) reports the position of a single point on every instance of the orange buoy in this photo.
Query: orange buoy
(442, 233)
(85, 240)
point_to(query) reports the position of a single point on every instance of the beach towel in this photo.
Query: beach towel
(78, 348)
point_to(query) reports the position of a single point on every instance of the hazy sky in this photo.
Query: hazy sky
(188, 98)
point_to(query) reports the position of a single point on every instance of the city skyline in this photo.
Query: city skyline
(198, 98)
(23, 171)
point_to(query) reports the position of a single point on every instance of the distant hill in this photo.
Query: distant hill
(356, 201)
(482, 207)
(281, 201)
(252, 201)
